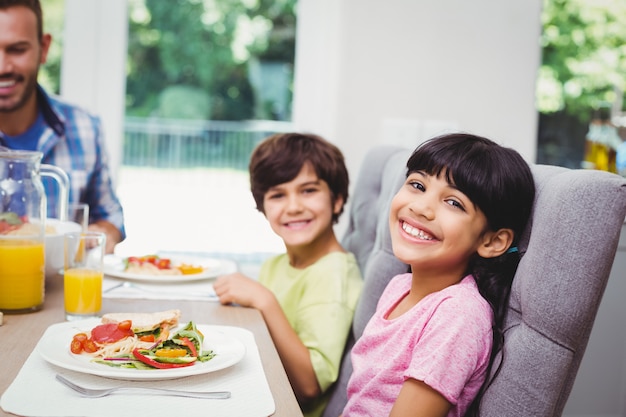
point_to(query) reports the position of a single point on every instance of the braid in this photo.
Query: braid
(494, 278)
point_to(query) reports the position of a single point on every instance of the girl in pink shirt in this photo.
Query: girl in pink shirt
(436, 332)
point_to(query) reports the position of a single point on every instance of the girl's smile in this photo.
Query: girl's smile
(416, 232)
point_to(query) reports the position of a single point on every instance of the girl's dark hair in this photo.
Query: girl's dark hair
(499, 182)
(280, 157)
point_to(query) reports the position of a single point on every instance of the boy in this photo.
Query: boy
(307, 295)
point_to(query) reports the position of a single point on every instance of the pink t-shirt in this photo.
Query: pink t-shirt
(444, 340)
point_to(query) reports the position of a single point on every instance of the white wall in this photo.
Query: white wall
(93, 72)
(369, 71)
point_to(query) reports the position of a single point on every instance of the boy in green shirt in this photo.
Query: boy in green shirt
(307, 295)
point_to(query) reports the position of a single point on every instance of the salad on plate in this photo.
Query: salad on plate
(142, 341)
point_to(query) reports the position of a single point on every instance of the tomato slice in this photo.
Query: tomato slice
(76, 346)
(163, 263)
(81, 337)
(147, 338)
(90, 346)
(149, 258)
(109, 333)
(124, 325)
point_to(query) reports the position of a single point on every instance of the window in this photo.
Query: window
(206, 81)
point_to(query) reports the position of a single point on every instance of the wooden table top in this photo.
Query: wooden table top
(21, 332)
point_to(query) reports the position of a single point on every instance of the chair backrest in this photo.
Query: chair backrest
(567, 252)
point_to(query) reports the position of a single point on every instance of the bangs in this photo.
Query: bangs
(461, 163)
(496, 179)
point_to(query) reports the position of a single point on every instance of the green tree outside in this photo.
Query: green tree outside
(193, 61)
(583, 69)
(583, 56)
(54, 18)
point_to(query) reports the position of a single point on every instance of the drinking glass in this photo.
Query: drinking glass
(79, 213)
(82, 275)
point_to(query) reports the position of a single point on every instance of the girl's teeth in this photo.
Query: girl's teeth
(415, 232)
(7, 83)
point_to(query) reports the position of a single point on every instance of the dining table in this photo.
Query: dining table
(20, 334)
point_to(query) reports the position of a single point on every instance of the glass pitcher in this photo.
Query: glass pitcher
(22, 228)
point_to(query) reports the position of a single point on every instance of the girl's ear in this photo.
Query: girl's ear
(495, 243)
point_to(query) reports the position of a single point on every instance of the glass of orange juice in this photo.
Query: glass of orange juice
(82, 275)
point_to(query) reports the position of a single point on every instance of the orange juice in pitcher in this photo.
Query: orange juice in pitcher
(22, 228)
(21, 275)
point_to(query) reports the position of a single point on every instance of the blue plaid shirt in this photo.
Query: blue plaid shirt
(73, 140)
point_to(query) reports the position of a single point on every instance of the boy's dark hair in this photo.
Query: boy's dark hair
(33, 5)
(499, 182)
(280, 157)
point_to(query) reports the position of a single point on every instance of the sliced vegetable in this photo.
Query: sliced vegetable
(170, 353)
(124, 325)
(76, 346)
(191, 333)
(163, 264)
(90, 346)
(147, 338)
(159, 365)
(11, 218)
(190, 345)
(10, 221)
(188, 269)
(81, 337)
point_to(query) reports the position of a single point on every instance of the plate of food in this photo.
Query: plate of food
(140, 346)
(156, 268)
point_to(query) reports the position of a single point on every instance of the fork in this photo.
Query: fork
(97, 393)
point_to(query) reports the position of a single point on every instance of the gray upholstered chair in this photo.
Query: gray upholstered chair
(567, 252)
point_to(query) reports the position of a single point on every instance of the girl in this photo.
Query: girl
(431, 343)
(307, 295)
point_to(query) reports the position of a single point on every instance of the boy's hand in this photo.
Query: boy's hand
(237, 288)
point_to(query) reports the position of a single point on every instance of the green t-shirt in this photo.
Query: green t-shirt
(319, 303)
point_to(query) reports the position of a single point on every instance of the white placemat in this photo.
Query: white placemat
(116, 288)
(36, 393)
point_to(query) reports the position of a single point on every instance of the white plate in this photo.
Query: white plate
(213, 268)
(54, 347)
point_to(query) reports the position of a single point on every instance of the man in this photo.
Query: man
(30, 119)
